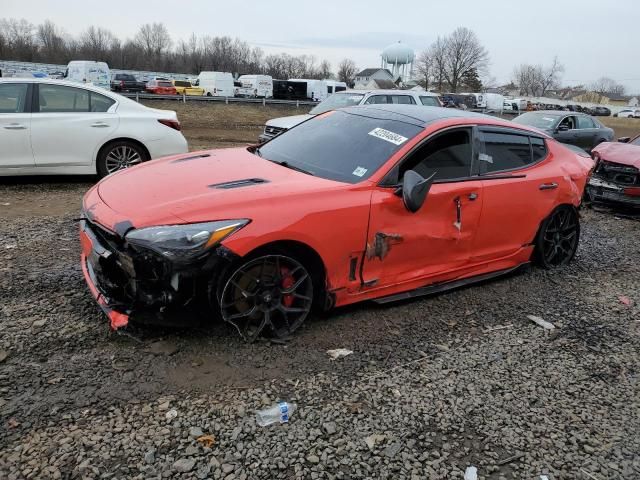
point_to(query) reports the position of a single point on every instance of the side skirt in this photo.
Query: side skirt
(445, 286)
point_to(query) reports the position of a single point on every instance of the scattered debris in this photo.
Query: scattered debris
(171, 414)
(279, 413)
(373, 440)
(471, 473)
(510, 459)
(625, 300)
(206, 441)
(339, 352)
(501, 327)
(543, 323)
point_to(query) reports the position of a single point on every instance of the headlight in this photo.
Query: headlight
(184, 241)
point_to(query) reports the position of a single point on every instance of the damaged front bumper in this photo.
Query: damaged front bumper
(615, 184)
(132, 283)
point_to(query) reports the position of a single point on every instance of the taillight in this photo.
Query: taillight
(175, 124)
(632, 191)
(122, 83)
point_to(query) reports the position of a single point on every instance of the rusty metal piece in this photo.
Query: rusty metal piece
(382, 244)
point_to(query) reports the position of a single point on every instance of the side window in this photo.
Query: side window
(538, 148)
(448, 155)
(504, 151)
(430, 101)
(61, 99)
(569, 122)
(376, 99)
(100, 103)
(13, 97)
(402, 99)
(585, 122)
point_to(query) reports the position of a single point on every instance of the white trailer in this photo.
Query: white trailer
(88, 71)
(216, 84)
(316, 89)
(255, 86)
(494, 102)
(334, 86)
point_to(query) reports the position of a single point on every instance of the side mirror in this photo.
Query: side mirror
(624, 139)
(415, 189)
(562, 128)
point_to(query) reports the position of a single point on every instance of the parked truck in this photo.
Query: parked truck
(216, 84)
(125, 82)
(255, 86)
(316, 89)
(88, 71)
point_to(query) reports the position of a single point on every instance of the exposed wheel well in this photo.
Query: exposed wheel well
(308, 257)
(123, 139)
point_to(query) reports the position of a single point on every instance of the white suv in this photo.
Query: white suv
(349, 98)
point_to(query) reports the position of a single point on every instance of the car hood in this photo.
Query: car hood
(288, 122)
(622, 153)
(204, 186)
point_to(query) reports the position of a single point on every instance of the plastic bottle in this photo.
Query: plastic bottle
(279, 413)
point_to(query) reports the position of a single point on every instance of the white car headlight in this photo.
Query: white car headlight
(184, 241)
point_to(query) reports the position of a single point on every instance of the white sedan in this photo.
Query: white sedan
(52, 127)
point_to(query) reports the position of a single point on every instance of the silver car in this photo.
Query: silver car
(349, 98)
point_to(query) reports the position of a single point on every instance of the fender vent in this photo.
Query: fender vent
(192, 157)
(239, 183)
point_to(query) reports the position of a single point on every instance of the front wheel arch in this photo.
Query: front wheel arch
(302, 252)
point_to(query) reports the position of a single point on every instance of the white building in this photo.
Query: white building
(374, 78)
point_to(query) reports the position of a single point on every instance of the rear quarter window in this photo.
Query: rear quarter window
(504, 151)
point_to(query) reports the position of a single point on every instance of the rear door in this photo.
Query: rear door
(437, 239)
(520, 187)
(15, 125)
(69, 125)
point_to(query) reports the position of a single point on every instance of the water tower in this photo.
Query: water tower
(398, 58)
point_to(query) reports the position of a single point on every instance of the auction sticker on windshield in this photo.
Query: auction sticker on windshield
(388, 136)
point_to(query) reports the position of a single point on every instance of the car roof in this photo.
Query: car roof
(415, 115)
(557, 113)
(387, 92)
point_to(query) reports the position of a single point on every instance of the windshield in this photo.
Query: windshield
(636, 141)
(165, 84)
(339, 146)
(538, 120)
(337, 100)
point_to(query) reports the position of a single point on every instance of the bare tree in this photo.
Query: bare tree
(154, 40)
(325, 70)
(464, 53)
(96, 43)
(607, 86)
(438, 52)
(52, 43)
(550, 76)
(347, 71)
(425, 68)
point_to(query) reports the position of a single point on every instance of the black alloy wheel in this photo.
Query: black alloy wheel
(271, 292)
(558, 238)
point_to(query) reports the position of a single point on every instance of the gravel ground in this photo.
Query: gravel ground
(434, 385)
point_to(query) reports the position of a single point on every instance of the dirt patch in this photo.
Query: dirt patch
(623, 127)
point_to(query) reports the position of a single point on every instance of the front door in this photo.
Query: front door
(437, 239)
(69, 125)
(567, 131)
(15, 125)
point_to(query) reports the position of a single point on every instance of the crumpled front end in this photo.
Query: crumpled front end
(615, 184)
(133, 283)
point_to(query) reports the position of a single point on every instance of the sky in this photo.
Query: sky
(592, 38)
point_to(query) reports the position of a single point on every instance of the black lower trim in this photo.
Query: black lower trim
(444, 286)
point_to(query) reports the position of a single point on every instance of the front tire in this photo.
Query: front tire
(118, 156)
(271, 292)
(557, 240)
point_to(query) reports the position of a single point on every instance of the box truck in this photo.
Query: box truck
(255, 86)
(316, 89)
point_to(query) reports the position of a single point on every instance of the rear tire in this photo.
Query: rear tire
(119, 156)
(558, 237)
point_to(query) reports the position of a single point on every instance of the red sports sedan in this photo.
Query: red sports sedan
(616, 176)
(365, 203)
(160, 87)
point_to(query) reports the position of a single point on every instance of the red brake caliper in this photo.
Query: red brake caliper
(287, 282)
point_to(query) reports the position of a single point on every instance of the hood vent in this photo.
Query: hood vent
(192, 157)
(239, 183)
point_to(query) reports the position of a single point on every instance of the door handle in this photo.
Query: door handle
(548, 186)
(15, 126)
(99, 125)
(473, 196)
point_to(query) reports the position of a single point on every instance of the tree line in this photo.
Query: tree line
(153, 49)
